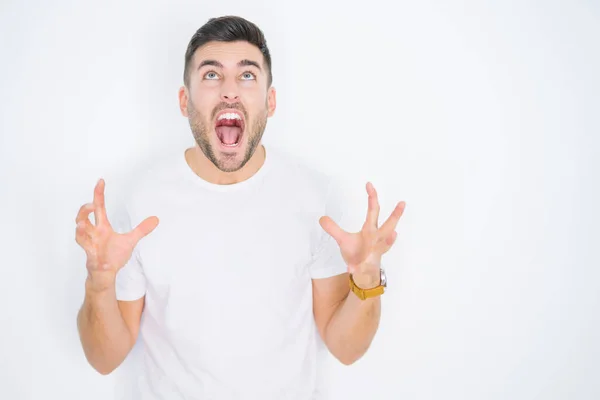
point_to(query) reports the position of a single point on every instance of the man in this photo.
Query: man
(230, 293)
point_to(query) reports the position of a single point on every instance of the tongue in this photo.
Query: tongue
(229, 134)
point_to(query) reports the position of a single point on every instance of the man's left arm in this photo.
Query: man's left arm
(346, 323)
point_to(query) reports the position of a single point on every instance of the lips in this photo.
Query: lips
(229, 127)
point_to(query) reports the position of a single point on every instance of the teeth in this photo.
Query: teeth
(229, 116)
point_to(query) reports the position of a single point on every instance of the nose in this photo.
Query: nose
(229, 91)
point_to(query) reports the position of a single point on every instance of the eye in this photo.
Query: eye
(211, 75)
(248, 76)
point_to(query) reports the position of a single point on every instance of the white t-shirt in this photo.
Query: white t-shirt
(227, 279)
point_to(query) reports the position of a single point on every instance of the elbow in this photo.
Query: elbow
(350, 355)
(349, 359)
(103, 370)
(346, 355)
(347, 362)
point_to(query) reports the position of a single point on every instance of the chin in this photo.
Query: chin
(230, 162)
(230, 158)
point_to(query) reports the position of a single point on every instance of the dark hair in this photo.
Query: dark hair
(227, 29)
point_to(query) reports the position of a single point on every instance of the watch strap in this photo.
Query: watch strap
(364, 294)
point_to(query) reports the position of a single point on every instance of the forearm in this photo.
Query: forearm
(352, 327)
(104, 335)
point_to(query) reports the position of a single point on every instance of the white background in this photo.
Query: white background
(483, 116)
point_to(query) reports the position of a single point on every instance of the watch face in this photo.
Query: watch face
(383, 278)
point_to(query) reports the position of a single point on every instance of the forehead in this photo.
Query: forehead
(228, 53)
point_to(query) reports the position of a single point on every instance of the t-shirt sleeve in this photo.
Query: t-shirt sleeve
(130, 281)
(326, 259)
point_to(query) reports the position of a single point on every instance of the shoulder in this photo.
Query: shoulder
(298, 172)
(148, 179)
(303, 181)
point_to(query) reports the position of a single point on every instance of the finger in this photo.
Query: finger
(143, 229)
(390, 225)
(84, 213)
(82, 236)
(99, 204)
(372, 220)
(333, 229)
(85, 226)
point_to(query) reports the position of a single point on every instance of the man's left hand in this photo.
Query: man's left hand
(362, 251)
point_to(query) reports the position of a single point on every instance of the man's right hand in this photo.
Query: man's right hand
(107, 251)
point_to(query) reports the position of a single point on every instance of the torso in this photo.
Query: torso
(228, 308)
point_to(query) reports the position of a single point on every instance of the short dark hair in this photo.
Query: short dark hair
(227, 29)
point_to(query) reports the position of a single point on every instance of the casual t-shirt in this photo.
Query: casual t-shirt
(226, 277)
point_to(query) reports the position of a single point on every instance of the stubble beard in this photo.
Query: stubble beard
(225, 162)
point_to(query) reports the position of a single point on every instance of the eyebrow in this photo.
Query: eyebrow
(248, 63)
(243, 63)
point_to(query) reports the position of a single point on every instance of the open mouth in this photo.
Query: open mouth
(229, 128)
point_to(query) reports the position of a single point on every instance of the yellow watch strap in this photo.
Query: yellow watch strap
(364, 294)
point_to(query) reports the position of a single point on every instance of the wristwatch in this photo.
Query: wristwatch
(364, 294)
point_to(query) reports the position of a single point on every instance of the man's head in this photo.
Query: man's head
(227, 94)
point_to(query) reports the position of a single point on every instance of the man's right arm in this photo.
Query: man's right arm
(108, 328)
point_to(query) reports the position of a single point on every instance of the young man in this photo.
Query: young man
(228, 295)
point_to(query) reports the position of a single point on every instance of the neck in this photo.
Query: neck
(206, 170)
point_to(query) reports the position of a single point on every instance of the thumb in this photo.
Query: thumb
(332, 229)
(144, 229)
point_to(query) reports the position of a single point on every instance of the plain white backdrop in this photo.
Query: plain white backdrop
(483, 116)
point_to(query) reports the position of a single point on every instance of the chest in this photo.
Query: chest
(229, 258)
(213, 272)
(265, 241)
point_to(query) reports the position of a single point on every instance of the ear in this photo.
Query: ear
(183, 100)
(271, 101)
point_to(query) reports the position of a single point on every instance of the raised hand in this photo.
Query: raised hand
(107, 251)
(362, 251)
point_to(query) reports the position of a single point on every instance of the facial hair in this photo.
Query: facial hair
(201, 128)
